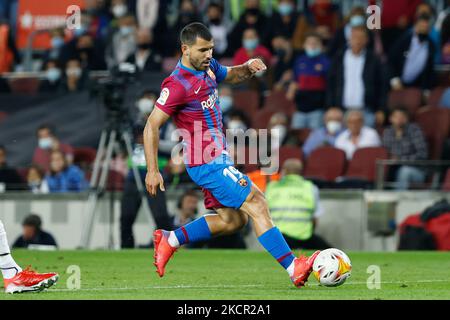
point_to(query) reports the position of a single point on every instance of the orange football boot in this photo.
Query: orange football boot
(302, 269)
(29, 280)
(163, 250)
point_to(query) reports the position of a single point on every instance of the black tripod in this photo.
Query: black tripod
(110, 135)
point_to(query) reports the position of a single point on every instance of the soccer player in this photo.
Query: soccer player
(189, 95)
(17, 280)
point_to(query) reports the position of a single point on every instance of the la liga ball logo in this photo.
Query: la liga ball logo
(242, 182)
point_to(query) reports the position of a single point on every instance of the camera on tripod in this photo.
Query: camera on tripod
(112, 90)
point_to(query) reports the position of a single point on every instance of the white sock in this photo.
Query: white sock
(7, 264)
(173, 240)
(290, 269)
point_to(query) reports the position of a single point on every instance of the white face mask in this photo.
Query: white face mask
(145, 105)
(73, 72)
(236, 124)
(45, 143)
(333, 126)
(119, 10)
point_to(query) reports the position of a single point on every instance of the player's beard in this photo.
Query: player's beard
(198, 65)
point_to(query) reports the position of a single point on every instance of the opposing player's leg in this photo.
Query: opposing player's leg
(17, 280)
(272, 240)
(225, 221)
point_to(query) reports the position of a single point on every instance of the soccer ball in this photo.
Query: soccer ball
(332, 267)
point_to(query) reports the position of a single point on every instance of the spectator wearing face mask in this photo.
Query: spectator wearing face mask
(119, 8)
(218, 27)
(278, 131)
(341, 39)
(53, 78)
(284, 20)
(35, 179)
(237, 122)
(187, 14)
(411, 58)
(57, 43)
(326, 135)
(309, 85)
(122, 42)
(282, 71)
(252, 18)
(251, 48)
(63, 177)
(146, 58)
(48, 142)
(75, 78)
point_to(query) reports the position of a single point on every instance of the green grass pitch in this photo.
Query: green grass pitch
(232, 274)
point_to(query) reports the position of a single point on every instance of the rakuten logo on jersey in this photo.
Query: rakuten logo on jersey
(211, 101)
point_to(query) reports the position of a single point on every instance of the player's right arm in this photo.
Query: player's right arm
(153, 179)
(171, 99)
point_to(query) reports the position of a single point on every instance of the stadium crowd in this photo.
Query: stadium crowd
(334, 89)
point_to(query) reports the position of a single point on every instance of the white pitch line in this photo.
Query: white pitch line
(233, 286)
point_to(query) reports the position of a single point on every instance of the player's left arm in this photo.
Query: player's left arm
(240, 73)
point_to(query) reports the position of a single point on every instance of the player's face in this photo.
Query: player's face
(200, 53)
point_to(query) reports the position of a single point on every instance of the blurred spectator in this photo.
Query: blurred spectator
(396, 17)
(251, 18)
(89, 52)
(237, 119)
(35, 179)
(175, 174)
(426, 9)
(32, 234)
(282, 72)
(411, 59)
(356, 79)
(187, 13)
(62, 176)
(146, 58)
(131, 197)
(100, 18)
(75, 77)
(119, 8)
(341, 39)
(325, 136)
(9, 177)
(9, 55)
(187, 206)
(218, 27)
(356, 135)
(57, 43)
(285, 20)
(295, 206)
(405, 141)
(309, 86)
(445, 38)
(122, 42)
(251, 48)
(47, 142)
(325, 14)
(147, 12)
(278, 128)
(53, 78)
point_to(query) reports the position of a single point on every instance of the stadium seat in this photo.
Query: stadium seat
(287, 152)
(24, 85)
(325, 163)
(84, 156)
(246, 101)
(446, 184)
(303, 134)
(363, 164)
(410, 98)
(277, 101)
(435, 96)
(114, 182)
(435, 123)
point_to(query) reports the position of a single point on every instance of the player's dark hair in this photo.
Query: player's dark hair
(192, 31)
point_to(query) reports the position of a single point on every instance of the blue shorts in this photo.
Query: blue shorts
(222, 184)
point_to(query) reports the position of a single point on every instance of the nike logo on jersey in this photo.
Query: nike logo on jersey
(196, 91)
